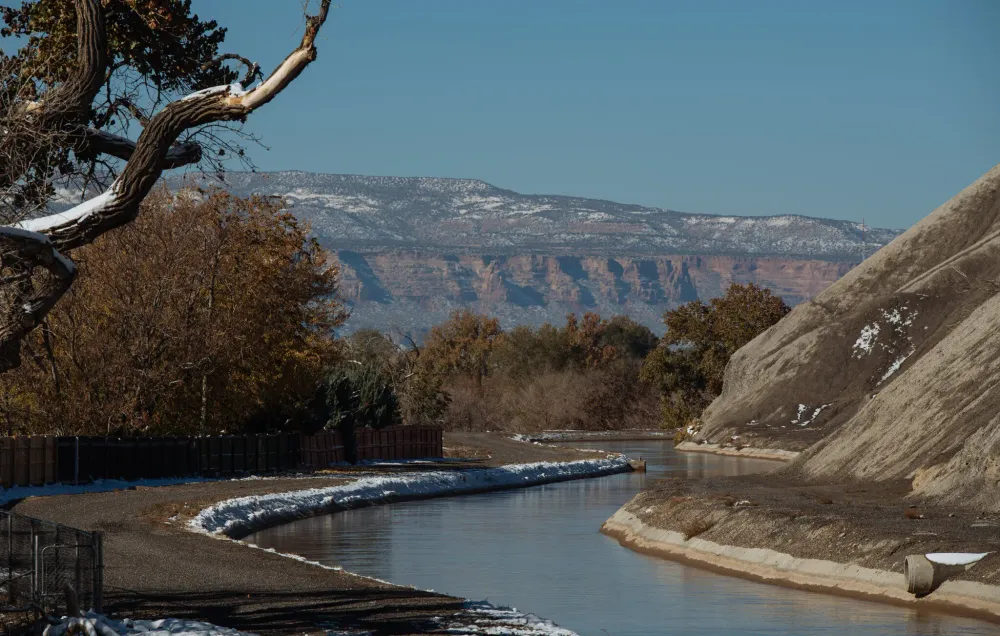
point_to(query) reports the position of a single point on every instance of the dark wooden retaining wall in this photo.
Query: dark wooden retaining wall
(404, 442)
(37, 460)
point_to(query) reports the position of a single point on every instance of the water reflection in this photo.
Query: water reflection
(538, 549)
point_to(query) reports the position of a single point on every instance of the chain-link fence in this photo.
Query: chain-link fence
(41, 561)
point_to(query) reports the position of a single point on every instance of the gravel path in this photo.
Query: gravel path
(155, 568)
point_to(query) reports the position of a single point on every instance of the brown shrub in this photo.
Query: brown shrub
(568, 399)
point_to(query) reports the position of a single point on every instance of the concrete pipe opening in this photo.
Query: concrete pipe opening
(924, 573)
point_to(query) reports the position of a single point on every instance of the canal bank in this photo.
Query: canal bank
(539, 549)
(155, 566)
(849, 539)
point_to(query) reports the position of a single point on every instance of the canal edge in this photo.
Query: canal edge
(962, 598)
(776, 454)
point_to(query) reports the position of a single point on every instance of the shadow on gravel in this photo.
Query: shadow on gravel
(382, 611)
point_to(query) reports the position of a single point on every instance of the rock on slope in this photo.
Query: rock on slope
(894, 370)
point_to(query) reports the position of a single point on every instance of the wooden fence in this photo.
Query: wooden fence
(27, 461)
(37, 460)
(87, 458)
(406, 442)
(399, 443)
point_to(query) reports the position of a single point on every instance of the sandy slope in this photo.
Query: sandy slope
(892, 372)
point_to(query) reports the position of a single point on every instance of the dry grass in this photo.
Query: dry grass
(466, 452)
(694, 527)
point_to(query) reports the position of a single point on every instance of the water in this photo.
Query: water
(539, 550)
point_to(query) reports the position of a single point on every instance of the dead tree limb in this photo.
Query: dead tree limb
(41, 243)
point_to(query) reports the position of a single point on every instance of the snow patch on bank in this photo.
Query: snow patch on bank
(956, 558)
(898, 362)
(244, 514)
(483, 618)
(99, 625)
(801, 418)
(866, 340)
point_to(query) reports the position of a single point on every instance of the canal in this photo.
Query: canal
(538, 549)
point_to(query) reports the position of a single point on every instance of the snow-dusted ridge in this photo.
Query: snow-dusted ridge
(358, 212)
(239, 517)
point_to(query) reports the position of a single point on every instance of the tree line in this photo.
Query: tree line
(227, 321)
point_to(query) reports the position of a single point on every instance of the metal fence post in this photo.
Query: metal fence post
(98, 572)
(76, 565)
(10, 557)
(36, 579)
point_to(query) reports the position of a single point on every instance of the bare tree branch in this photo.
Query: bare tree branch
(253, 69)
(72, 100)
(96, 142)
(24, 251)
(39, 244)
(120, 204)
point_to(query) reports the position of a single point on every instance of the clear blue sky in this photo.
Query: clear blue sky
(876, 108)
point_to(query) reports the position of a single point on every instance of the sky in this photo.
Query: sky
(879, 110)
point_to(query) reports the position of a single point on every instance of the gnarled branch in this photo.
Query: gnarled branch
(253, 69)
(39, 243)
(72, 100)
(94, 142)
(28, 304)
(220, 103)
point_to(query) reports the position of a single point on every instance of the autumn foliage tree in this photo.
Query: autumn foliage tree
(583, 374)
(688, 365)
(225, 321)
(462, 345)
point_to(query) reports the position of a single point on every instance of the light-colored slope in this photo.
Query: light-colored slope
(903, 351)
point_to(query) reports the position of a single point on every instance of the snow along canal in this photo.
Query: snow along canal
(539, 550)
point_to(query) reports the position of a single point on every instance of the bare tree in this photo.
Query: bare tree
(39, 129)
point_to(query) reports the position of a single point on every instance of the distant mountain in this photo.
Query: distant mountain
(361, 213)
(413, 249)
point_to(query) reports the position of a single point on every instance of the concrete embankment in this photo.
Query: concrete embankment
(755, 453)
(964, 597)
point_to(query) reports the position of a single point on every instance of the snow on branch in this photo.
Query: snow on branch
(71, 216)
(235, 89)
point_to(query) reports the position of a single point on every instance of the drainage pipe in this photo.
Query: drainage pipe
(925, 572)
